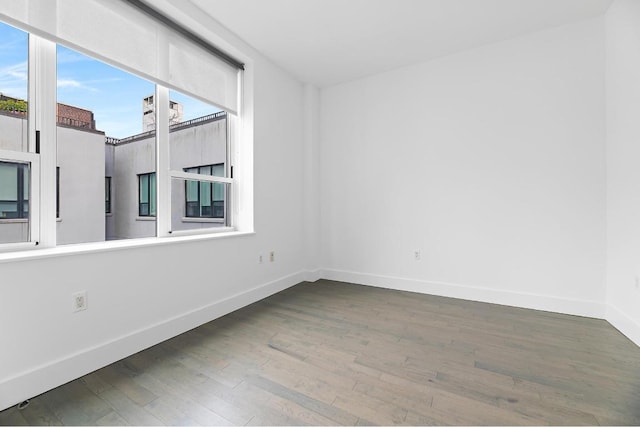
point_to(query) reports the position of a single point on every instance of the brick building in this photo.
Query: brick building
(66, 115)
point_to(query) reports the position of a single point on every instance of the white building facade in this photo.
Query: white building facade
(106, 187)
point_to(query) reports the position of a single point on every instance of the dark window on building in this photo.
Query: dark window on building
(205, 199)
(14, 190)
(147, 194)
(107, 194)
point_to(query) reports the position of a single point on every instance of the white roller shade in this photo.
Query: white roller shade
(122, 35)
(216, 81)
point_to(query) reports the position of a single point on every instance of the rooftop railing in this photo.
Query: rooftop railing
(193, 122)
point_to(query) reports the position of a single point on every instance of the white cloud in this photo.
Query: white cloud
(74, 84)
(13, 80)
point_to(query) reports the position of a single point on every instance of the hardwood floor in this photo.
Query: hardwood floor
(334, 353)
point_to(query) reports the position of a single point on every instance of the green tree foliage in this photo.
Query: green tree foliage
(18, 105)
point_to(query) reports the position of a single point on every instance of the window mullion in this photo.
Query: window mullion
(42, 121)
(163, 178)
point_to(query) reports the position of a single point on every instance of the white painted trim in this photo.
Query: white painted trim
(19, 156)
(202, 220)
(26, 385)
(114, 245)
(198, 177)
(473, 293)
(623, 323)
(31, 383)
(313, 276)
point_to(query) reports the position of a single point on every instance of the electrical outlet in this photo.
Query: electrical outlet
(416, 255)
(272, 256)
(260, 259)
(79, 300)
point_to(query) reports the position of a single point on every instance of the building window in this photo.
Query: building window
(107, 194)
(205, 199)
(14, 190)
(147, 194)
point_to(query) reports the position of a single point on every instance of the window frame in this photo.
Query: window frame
(20, 201)
(152, 191)
(33, 162)
(44, 203)
(212, 190)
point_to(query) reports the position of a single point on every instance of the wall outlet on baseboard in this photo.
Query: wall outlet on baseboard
(417, 255)
(260, 259)
(272, 256)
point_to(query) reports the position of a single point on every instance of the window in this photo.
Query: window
(107, 194)
(18, 160)
(147, 194)
(14, 190)
(102, 132)
(198, 193)
(92, 136)
(205, 199)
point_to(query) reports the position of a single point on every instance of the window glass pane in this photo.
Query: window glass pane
(205, 200)
(103, 131)
(107, 194)
(217, 170)
(152, 193)
(192, 191)
(14, 55)
(144, 188)
(14, 202)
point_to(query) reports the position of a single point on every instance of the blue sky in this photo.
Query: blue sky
(114, 96)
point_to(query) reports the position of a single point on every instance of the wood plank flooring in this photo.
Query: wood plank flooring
(332, 353)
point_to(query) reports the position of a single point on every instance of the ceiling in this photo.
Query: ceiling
(326, 42)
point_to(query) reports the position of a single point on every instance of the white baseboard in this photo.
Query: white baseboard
(28, 384)
(516, 299)
(313, 275)
(40, 379)
(626, 325)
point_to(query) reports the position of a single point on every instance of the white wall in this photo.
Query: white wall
(130, 160)
(138, 297)
(623, 172)
(81, 159)
(490, 162)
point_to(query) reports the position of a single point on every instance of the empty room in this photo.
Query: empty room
(320, 212)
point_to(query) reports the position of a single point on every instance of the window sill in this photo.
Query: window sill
(207, 220)
(145, 218)
(14, 221)
(36, 252)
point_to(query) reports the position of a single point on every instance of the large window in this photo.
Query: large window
(205, 199)
(140, 128)
(147, 194)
